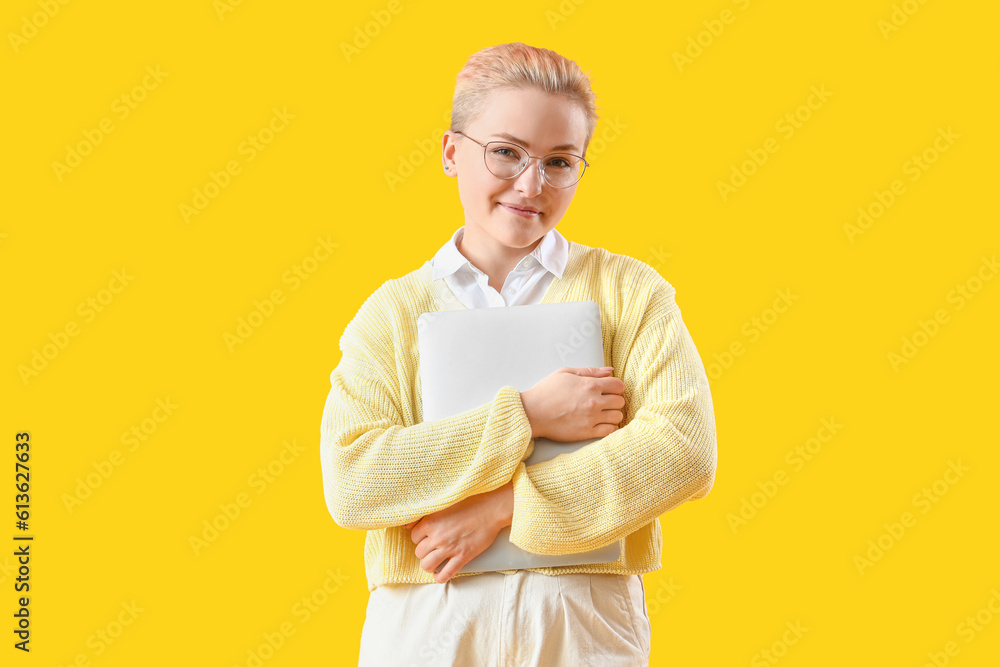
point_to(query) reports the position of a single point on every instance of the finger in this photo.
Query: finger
(611, 385)
(423, 549)
(588, 371)
(611, 401)
(453, 565)
(604, 430)
(432, 561)
(611, 417)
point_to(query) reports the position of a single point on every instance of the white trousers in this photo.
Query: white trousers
(525, 619)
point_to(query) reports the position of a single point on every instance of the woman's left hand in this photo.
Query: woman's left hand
(461, 532)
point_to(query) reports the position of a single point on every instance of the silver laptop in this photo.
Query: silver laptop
(466, 356)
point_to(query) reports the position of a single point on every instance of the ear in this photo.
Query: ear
(448, 146)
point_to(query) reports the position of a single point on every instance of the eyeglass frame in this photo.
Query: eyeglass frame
(541, 166)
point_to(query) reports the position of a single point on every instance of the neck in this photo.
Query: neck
(494, 259)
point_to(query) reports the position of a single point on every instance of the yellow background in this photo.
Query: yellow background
(671, 134)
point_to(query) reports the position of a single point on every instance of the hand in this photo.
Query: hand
(573, 404)
(457, 534)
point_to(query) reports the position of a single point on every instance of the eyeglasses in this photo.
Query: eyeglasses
(506, 160)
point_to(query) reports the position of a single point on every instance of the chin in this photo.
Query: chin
(519, 237)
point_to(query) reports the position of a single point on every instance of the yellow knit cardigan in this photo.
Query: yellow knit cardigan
(383, 466)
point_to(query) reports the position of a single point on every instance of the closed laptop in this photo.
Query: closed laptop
(466, 356)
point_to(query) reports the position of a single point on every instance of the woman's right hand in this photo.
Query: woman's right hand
(574, 404)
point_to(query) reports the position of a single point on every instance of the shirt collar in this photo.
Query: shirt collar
(552, 253)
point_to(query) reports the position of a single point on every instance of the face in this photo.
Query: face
(540, 122)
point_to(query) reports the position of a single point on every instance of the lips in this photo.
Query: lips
(525, 209)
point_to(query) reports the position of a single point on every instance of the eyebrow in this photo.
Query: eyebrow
(511, 137)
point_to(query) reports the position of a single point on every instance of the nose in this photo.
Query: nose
(529, 182)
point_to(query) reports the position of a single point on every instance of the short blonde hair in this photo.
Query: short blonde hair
(519, 66)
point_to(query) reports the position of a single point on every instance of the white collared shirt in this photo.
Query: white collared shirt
(525, 285)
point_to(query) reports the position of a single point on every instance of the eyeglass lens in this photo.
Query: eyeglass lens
(507, 161)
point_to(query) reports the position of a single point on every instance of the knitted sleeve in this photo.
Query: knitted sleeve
(663, 454)
(378, 472)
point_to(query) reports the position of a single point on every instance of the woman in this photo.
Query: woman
(433, 495)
